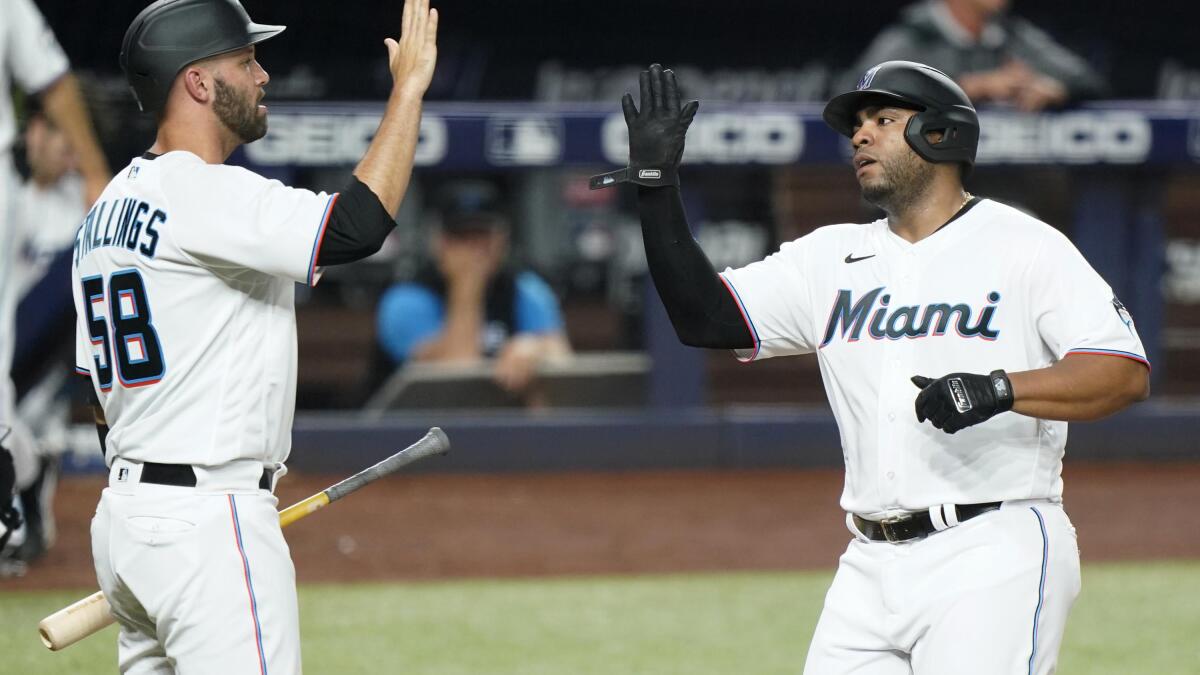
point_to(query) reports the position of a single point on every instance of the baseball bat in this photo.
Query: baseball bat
(92, 614)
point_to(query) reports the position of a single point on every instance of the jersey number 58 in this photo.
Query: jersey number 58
(139, 356)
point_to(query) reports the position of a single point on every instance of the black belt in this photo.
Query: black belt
(183, 475)
(915, 526)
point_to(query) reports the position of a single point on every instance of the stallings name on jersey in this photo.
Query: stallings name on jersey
(871, 311)
(127, 222)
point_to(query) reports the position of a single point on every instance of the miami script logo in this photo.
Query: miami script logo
(848, 318)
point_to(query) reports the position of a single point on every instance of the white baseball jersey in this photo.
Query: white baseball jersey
(46, 219)
(29, 54)
(994, 288)
(183, 281)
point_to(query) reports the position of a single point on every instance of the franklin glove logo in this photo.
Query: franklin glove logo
(958, 392)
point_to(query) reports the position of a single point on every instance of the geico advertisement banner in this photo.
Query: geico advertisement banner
(502, 135)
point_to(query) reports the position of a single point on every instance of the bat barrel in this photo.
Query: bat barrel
(435, 442)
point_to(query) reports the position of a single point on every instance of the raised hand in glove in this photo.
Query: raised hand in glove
(959, 400)
(656, 133)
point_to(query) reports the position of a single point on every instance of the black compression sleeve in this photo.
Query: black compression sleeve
(701, 308)
(85, 392)
(357, 227)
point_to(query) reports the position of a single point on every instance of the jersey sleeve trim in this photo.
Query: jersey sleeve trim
(83, 371)
(312, 262)
(1112, 352)
(741, 353)
(40, 89)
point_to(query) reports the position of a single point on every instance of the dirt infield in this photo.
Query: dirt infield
(440, 526)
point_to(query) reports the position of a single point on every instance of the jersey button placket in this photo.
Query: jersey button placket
(893, 391)
(888, 436)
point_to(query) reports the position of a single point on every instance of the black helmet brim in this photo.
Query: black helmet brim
(841, 111)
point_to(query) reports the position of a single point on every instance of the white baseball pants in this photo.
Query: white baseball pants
(988, 597)
(201, 582)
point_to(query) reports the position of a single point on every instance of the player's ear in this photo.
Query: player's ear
(197, 83)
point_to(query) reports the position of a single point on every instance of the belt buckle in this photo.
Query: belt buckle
(887, 524)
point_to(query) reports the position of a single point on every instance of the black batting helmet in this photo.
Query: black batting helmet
(941, 105)
(170, 34)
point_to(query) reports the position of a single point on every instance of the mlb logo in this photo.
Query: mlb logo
(122, 474)
(865, 82)
(524, 141)
(133, 172)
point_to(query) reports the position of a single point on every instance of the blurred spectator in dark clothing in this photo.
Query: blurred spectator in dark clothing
(471, 303)
(994, 56)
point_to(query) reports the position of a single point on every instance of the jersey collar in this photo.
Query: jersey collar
(936, 240)
(961, 212)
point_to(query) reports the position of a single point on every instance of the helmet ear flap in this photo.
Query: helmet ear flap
(960, 136)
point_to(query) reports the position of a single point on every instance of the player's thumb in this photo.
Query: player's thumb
(921, 381)
(393, 47)
(688, 112)
(629, 109)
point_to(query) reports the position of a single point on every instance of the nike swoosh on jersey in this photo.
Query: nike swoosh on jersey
(851, 259)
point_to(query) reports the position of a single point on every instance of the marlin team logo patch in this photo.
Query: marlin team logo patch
(958, 392)
(867, 77)
(1123, 314)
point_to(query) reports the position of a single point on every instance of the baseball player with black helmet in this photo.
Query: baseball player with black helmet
(956, 337)
(184, 276)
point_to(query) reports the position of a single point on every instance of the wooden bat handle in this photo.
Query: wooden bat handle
(93, 613)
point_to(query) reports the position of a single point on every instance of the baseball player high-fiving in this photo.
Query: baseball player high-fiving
(184, 276)
(956, 337)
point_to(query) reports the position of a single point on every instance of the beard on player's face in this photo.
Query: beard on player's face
(904, 179)
(238, 111)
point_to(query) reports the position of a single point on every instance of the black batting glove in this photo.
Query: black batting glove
(960, 400)
(656, 133)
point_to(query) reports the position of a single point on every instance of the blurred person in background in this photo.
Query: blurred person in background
(993, 55)
(49, 205)
(471, 302)
(48, 209)
(31, 56)
(10, 518)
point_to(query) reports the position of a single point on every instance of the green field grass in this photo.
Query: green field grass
(1131, 619)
